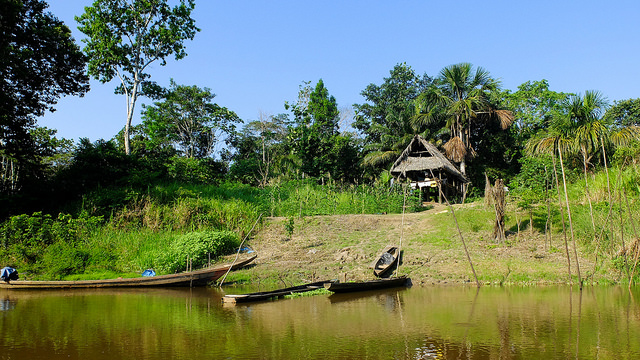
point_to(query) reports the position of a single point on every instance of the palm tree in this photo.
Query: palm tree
(587, 130)
(458, 97)
(588, 127)
(591, 131)
(582, 130)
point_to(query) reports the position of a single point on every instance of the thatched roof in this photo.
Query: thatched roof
(421, 155)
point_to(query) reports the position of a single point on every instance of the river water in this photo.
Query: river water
(416, 323)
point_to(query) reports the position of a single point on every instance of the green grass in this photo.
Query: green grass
(320, 291)
(138, 234)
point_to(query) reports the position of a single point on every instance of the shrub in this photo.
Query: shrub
(195, 171)
(61, 259)
(28, 236)
(197, 246)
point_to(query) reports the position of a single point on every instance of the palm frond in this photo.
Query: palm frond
(505, 118)
(625, 135)
(455, 149)
(378, 158)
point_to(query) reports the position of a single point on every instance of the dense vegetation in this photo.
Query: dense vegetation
(192, 180)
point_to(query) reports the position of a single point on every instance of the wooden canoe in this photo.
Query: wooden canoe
(368, 285)
(386, 262)
(191, 278)
(274, 294)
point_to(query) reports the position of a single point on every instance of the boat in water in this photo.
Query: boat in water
(386, 262)
(343, 287)
(274, 294)
(191, 278)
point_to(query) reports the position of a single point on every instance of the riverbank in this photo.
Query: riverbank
(344, 246)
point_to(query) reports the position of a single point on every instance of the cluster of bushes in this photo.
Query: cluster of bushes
(124, 230)
(42, 243)
(42, 246)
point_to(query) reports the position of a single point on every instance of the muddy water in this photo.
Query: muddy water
(417, 323)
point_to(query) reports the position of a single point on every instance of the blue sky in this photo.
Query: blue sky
(255, 54)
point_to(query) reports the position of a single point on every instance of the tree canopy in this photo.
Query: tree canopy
(385, 119)
(315, 140)
(188, 121)
(39, 63)
(124, 37)
(461, 96)
(624, 112)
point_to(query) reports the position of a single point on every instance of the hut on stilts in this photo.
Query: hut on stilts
(424, 167)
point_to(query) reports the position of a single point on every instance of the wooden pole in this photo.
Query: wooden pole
(635, 233)
(564, 225)
(404, 205)
(573, 239)
(464, 244)
(239, 248)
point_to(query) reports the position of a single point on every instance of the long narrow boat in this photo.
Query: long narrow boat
(368, 285)
(386, 262)
(274, 294)
(191, 278)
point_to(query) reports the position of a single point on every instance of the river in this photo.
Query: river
(551, 322)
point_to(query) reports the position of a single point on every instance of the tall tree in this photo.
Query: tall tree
(586, 123)
(385, 119)
(533, 104)
(324, 110)
(624, 112)
(188, 121)
(315, 140)
(460, 97)
(39, 63)
(624, 117)
(260, 149)
(316, 116)
(124, 37)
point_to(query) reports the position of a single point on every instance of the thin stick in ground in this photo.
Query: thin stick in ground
(239, 248)
(455, 219)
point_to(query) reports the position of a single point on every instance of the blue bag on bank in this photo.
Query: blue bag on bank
(8, 273)
(149, 272)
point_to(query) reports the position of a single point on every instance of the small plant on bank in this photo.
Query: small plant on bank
(320, 291)
(289, 226)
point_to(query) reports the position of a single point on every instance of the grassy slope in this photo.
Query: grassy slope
(343, 246)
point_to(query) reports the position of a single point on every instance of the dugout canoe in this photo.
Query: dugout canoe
(274, 294)
(368, 285)
(191, 278)
(386, 262)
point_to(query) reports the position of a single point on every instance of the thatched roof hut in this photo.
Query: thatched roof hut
(423, 165)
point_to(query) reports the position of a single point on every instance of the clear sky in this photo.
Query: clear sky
(254, 54)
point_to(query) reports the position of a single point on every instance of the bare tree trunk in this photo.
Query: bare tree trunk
(487, 191)
(499, 204)
(547, 224)
(573, 239)
(131, 99)
(604, 156)
(588, 193)
(531, 221)
(564, 226)
(464, 244)
(518, 225)
(624, 246)
(635, 233)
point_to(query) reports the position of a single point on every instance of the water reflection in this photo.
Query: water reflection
(416, 323)
(7, 304)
